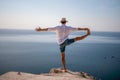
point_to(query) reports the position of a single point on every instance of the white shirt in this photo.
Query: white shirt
(62, 32)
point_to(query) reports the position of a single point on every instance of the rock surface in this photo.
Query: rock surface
(55, 74)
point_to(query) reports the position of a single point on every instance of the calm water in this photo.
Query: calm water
(38, 52)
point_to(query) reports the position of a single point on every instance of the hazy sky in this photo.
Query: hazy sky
(98, 15)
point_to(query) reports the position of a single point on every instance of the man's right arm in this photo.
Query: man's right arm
(87, 29)
(82, 28)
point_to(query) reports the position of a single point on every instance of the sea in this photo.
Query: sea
(38, 52)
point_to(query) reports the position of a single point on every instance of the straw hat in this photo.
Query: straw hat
(63, 20)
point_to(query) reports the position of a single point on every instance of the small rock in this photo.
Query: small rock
(105, 58)
(112, 56)
(19, 73)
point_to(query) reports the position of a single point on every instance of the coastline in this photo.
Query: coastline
(54, 74)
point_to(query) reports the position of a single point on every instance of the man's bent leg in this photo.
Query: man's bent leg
(63, 60)
(82, 37)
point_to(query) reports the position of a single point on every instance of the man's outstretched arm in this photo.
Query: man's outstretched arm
(87, 29)
(41, 29)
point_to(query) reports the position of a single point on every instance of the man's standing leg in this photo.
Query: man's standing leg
(62, 49)
(63, 60)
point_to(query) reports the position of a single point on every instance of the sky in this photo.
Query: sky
(98, 15)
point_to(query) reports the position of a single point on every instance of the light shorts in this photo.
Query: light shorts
(66, 43)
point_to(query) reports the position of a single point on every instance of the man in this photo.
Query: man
(63, 32)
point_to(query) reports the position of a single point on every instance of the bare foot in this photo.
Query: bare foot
(64, 70)
(88, 32)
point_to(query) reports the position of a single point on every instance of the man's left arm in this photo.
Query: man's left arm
(41, 29)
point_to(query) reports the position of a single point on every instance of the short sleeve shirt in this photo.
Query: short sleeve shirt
(62, 32)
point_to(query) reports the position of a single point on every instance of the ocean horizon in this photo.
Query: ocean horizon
(38, 52)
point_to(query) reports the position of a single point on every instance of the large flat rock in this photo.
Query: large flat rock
(55, 74)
